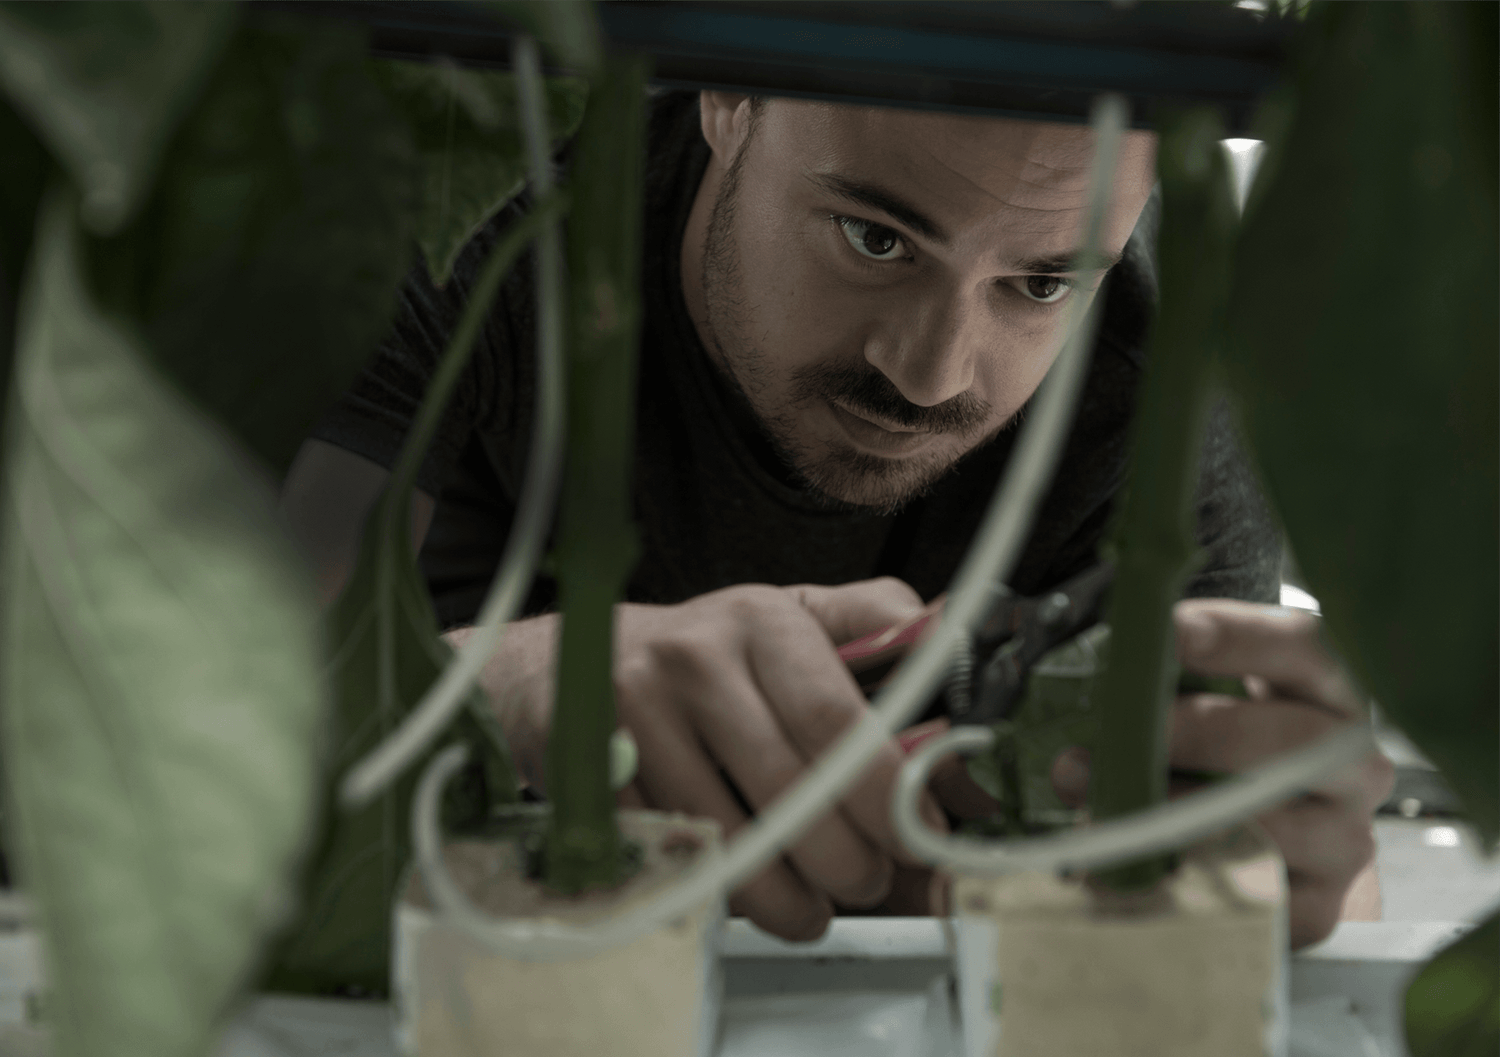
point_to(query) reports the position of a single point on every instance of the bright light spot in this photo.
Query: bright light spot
(1238, 145)
(1441, 837)
(1298, 598)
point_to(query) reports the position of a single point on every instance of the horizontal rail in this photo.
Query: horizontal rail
(1042, 60)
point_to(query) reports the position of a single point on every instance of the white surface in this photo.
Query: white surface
(846, 938)
(1368, 960)
(1424, 876)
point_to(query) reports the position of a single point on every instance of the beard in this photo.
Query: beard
(838, 476)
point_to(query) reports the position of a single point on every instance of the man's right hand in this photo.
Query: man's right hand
(744, 686)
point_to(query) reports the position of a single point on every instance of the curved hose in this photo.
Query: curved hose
(990, 560)
(538, 495)
(1161, 828)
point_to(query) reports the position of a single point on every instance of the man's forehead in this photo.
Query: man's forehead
(965, 161)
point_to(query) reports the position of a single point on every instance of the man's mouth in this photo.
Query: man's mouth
(876, 436)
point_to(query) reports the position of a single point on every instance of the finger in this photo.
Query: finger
(1313, 906)
(675, 776)
(1070, 776)
(745, 738)
(848, 611)
(629, 797)
(949, 778)
(1227, 735)
(1221, 636)
(956, 791)
(816, 701)
(1321, 840)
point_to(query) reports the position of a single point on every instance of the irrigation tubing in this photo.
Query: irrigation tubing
(1161, 828)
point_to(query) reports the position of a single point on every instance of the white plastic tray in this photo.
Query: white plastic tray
(879, 987)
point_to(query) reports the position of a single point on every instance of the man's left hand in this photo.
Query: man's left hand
(1298, 693)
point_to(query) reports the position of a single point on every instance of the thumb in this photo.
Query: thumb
(850, 611)
(1070, 776)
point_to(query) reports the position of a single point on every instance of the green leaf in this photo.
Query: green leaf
(1453, 1006)
(567, 30)
(1361, 348)
(104, 85)
(265, 266)
(386, 653)
(467, 128)
(162, 696)
(22, 178)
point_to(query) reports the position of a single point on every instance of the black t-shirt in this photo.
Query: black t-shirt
(713, 505)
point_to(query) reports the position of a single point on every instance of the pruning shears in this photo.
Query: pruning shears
(989, 676)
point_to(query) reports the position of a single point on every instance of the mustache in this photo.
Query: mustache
(866, 389)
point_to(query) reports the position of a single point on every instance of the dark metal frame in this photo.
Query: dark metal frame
(1030, 58)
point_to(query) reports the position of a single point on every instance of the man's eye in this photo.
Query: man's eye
(1047, 289)
(875, 241)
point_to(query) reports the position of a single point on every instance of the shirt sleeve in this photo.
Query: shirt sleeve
(374, 416)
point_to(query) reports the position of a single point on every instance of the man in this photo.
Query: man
(846, 311)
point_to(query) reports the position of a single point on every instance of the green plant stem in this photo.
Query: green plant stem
(596, 546)
(1155, 541)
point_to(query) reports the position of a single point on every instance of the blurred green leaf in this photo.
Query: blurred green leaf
(567, 30)
(105, 84)
(162, 696)
(386, 652)
(1453, 1006)
(22, 178)
(1362, 350)
(467, 129)
(264, 268)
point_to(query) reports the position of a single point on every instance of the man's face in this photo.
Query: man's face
(889, 287)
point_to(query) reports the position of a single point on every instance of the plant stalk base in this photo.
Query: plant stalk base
(656, 997)
(1195, 967)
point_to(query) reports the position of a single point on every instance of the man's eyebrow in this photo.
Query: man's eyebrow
(887, 202)
(1064, 263)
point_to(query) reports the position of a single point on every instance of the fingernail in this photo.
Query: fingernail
(915, 736)
(1070, 774)
(1195, 635)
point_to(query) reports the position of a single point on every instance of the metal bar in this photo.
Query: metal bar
(1024, 58)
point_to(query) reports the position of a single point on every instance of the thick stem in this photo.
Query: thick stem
(1155, 542)
(596, 545)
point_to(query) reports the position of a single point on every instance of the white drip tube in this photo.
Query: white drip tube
(1161, 828)
(538, 495)
(989, 561)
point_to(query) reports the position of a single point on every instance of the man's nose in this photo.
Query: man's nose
(928, 347)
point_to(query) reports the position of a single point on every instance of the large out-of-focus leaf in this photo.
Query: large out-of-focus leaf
(386, 653)
(21, 180)
(1453, 1006)
(162, 690)
(566, 29)
(467, 129)
(1363, 352)
(104, 85)
(265, 265)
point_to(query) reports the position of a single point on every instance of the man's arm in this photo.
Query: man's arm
(729, 696)
(327, 494)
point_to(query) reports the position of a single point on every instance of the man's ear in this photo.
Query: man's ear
(725, 117)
